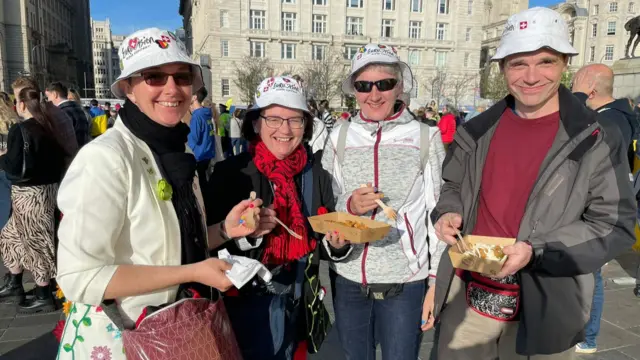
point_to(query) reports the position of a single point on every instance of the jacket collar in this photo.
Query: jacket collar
(403, 116)
(574, 116)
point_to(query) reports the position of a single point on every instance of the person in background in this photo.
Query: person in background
(447, 125)
(107, 108)
(95, 109)
(593, 86)
(27, 240)
(201, 137)
(235, 131)
(223, 131)
(63, 123)
(537, 167)
(75, 97)
(478, 110)
(113, 116)
(8, 118)
(58, 95)
(325, 115)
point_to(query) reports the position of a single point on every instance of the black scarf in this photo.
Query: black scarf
(168, 147)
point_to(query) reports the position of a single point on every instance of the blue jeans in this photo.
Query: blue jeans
(362, 323)
(593, 326)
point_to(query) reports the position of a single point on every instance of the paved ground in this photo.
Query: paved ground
(619, 338)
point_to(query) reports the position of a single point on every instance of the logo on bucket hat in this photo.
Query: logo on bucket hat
(280, 90)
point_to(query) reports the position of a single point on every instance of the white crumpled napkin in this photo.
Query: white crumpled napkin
(243, 269)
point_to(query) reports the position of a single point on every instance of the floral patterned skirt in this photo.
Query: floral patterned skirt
(90, 335)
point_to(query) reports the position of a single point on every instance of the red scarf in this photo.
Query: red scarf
(280, 246)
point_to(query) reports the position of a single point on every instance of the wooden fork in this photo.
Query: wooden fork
(460, 241)
(388, 211)
(252, 196)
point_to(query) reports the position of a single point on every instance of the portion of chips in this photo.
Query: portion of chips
(353, 224)
(486, 251)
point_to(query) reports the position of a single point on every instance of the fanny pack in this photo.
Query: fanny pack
(498, 299)
(381, 291)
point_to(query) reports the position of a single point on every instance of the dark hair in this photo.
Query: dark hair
(324, 104)
(94, 102)
(5, 97)
(238, 113)
(41, 112)
(58, 88)
(201, 94)
(253, 115)
(107, 104)
(313, 107)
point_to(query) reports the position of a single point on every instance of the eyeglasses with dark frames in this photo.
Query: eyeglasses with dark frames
(276, 122)
(156, 78)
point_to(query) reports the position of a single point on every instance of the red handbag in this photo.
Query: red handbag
(189, 329)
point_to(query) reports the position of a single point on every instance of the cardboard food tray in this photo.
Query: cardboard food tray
(477, 264)
(376, 230)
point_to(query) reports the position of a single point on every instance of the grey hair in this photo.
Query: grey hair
(391, 69)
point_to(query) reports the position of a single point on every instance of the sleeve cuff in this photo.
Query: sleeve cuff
(431, 280)
(245, 244)
(94, 292)
(337, 254)
(349, 206)
(536, 255)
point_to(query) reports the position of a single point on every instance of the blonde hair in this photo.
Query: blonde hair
(8, 117)
(75, 96)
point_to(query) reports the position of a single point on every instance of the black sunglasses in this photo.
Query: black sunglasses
(382, 85)
(160, 79)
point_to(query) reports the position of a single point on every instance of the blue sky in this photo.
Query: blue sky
(129, 15)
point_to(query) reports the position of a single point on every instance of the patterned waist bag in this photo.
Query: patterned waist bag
(498, 299)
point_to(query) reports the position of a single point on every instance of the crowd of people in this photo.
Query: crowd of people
(150, 198)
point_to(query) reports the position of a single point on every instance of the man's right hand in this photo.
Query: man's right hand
(364, 199)
(446, 227)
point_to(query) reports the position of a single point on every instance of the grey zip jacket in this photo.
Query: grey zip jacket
(580, 214)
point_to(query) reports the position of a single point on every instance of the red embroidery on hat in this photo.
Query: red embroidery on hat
(162, 44)
(166, 39)
(133, 43)
(523, 25)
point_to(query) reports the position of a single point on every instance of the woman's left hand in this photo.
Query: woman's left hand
(427, 309)
(336, 239)
(232, 225)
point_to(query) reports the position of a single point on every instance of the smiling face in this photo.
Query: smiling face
(281, 141)
(533, 79)
(166, 104)
(378, 105)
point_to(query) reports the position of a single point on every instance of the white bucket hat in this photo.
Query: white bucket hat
(377, 54)
(534, 29)
(280, 90)
(149, 48)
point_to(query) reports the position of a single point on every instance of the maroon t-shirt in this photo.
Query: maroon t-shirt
(517, 150)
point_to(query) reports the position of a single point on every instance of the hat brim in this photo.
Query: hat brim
(154, 61)
(534, 43)
(407, 76)
(257, 108)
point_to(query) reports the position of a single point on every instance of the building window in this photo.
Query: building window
(288, 21)
(224, 48)
(387, 28)
(258, 19)
(441, 58)
(388, 4)
(469, 7)
(257, 49)
(224, 19)
(355, 3)
(441, 31)
(594, 30)
(611, 28)
(414, 57)
(467, 35)
(288, 1)
(350, 52)
(608, 53)
(414, 29)
(319, 23)
(592, 54)
(416, 5)
(613, 7)
(354, 25)
(288, 51)
(466, 60)
(443, 6)
(596, 9)
(632, 7)
(318, 52)
(320, 2)
(226, 91)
